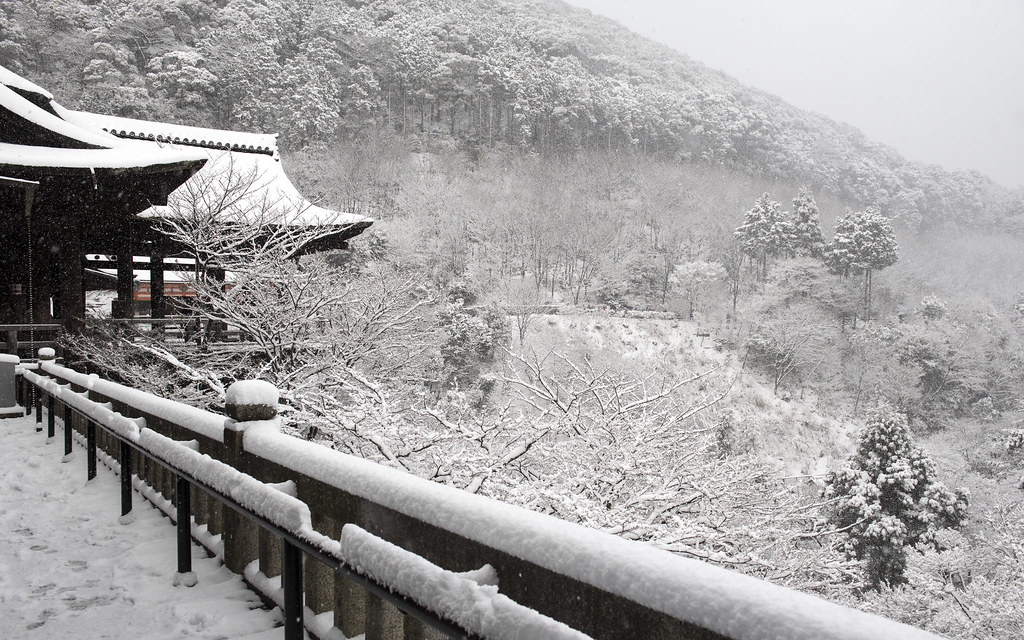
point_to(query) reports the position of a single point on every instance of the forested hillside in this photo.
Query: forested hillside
(537, 74)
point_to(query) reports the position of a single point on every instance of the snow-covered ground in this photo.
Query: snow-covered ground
(69, 569)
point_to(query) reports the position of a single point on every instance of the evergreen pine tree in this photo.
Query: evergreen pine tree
(766, 232)
(807, 237)
(864, 242)
(888, 498)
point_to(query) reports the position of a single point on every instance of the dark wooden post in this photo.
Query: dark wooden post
(46, 355)
(90, 449)
(126, 481)
(291, 581)
(40, 293)
(67, 430)
(39, 407)
(183, 501)
(72, 286)
(51, 419)
(125, 304)
(156, 286)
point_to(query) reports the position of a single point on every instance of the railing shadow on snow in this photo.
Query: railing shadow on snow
(346, 546)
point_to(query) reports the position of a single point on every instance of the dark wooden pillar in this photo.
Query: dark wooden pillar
(69, 267)
(156, 285)
(39, 295)
(124, 306)
(16, 247)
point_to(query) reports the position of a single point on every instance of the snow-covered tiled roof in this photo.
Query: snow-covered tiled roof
(76, 135)
(120, 157)
(13, 80)
(178, 134)
(268, 192)
(83, 140)
(63, 144)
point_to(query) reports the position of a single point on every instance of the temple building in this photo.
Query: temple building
(74, 183)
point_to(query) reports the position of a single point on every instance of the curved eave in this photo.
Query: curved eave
(15, 81)
(338, 239)
(165, 132)
(21, 160)
(50, 126)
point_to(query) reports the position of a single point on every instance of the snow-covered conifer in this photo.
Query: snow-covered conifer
(807, 238)
(888, 498)
(766, 232)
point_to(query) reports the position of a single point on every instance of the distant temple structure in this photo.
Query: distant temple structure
(74, 183)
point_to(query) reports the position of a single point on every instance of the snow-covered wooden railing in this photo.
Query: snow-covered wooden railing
(378, 541)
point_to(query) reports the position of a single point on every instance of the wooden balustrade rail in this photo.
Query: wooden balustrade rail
(38, 336)
(584, 581)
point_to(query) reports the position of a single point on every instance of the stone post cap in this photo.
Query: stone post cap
(249, 400)
(46, 353)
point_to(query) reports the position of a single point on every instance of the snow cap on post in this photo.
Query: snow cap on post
(47, 353)
(249, 400)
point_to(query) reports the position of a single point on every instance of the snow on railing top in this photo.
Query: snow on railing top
(723, 601)
(471, 601)
(206, 423)
(127, 428)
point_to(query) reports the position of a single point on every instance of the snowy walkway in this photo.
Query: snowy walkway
(68, 569)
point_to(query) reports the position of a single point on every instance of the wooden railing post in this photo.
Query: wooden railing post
(126, 481)
(246, 401)
(46, 354)
(183, 502)
(67, 430)
(39, 407)
(291, 581)
(51, 418)
(90, 449)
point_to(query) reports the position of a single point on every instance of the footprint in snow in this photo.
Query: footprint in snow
(78, 565)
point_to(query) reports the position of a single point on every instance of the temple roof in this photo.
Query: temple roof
(36, 138)
(252, 160)
(39, 137)
(121, 157)
(10, 79)
(129, 128)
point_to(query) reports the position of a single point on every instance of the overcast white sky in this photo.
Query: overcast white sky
(941, 81)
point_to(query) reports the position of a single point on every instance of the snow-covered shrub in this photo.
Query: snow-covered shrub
(932, 308)
(472, 336)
